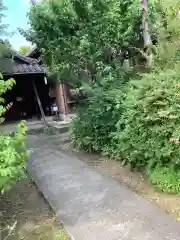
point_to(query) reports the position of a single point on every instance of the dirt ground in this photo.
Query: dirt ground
(134, 180)
(28, 214)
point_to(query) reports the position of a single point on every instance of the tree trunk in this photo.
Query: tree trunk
(146, 34)
(145, 26)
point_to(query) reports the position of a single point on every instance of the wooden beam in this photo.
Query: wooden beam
(39, 103)
(63, 90)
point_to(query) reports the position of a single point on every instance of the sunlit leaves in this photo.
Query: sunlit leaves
(87, 36)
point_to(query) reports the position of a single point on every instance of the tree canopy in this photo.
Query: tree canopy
(84, 39)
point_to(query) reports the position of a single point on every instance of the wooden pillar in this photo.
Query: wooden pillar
(61, 98)
(39, 103)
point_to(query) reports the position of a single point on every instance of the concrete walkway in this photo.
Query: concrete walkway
(92, 206)
(34, 124)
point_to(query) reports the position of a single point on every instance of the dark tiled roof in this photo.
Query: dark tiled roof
(32, 52)
(9, 67)
(21, 65)
(25, 69)
(16, 63)
(25, 59)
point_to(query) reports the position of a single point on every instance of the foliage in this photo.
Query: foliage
(24, 49)
(150, 118)
(90, 129)
(12, 149)
(135, 122)
(96, 120)
(13, 154)
(138, 123)
(83, 40)
(4, 87)
(166, 179)
(168, 34)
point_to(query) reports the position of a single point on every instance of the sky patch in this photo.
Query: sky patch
(16, 17)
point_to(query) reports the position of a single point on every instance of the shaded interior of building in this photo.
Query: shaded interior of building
(23, 99)
(27, 72)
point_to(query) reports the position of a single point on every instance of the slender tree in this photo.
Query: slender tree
(145, 25)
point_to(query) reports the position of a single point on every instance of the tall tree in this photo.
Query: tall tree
(145, 24)
(84, 38)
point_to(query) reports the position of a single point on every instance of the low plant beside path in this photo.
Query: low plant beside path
(13, 153)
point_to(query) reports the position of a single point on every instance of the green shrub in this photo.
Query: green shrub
(96, 120)
(166, 179)
(91, 128)
(13, 154)
(151, 117)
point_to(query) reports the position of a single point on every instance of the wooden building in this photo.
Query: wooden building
(33, 95)
(60, 91)
(30, 80)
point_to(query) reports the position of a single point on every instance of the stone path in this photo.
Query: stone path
(92, 206)
(35, 124)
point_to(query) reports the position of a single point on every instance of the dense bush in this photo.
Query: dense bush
(96, 120)
(138, 123)
(149, 121)
(13, 154)
(13, 157)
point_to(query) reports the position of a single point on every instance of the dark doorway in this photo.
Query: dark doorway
(23, 98)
